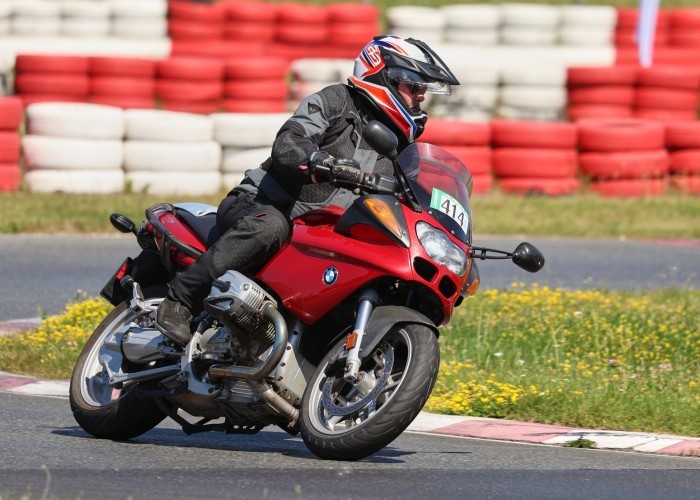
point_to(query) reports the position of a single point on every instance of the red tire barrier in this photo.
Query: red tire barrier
(583, 111)
(200, 107)
(685, 161)
(181, 29)
(532, 134)
(627, 37)
(601, 75)
(689, 184)
(482, 183)
(49, 64)
(123, 67)
(253, 106)
(180, 90)
(620, 134)
(534, 162)
(61, 84)
(633, 188)
(9, 147)
(190, 68)
(250, 12)
(665, 98)
(476, 158)
(665, 115)
(443, 131)
(261, 32)
(125, 102)
(206, 13)
(627, 17)
(537, 186)
(352, 13)
(677, 77)
(625, 165)
(256, 89)
(28, 99)
(301, 34)
(215, 48)
(685, 17)
(123, 87)
(622, 95)
(10, 177)
(301, 13)
(256, 68)
(352, 34)
(684, 135)
(11, 112)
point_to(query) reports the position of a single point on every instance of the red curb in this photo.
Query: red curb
(8, 382)
(507, 430)
(682, 448)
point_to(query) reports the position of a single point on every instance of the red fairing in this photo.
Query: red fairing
(296, 273)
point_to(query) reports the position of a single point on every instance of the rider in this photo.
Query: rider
(389, 82)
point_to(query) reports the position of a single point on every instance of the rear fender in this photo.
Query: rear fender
(384, 318)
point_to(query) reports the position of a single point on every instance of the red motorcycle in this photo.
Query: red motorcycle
(336, 337)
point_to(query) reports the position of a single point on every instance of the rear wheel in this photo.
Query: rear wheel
(344, 421)
(100, 409)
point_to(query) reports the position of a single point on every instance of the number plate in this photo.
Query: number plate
(445, 203)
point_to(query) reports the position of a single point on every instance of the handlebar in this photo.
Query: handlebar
(345, 173)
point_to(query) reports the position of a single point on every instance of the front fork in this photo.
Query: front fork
(353, 344)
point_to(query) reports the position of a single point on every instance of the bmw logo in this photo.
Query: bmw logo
(330, 275)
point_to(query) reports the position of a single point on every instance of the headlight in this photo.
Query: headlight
(441, 249)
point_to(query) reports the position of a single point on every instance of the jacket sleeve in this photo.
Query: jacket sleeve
(301, 134)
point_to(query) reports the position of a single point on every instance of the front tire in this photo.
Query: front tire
(101, 410)
(342, 421)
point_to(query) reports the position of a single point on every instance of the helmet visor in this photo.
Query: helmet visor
(417, 81)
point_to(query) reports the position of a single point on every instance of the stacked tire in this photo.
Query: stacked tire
(51, 78)
(11, 114)
(626, 27)
(476, 24)
(190, 84)
(529, 24)
(246, 139)
(601, 91)
(255, 85)
(74, 148)
(685, 27)
(533, 94)
(85, 19)
(624, 157)
(139, 20)
(667, 93)
(683, 143)
(468, 141)
(474, 99)
(196, 21)
(123, 82)
(587, 25)
(300, 30)
(424, 23)
(535, 158)
(351, 26)
(171, 153)
(245, 21)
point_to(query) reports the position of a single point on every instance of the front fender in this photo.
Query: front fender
(383, 318)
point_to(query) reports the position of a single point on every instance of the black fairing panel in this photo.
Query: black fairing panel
(359, 213)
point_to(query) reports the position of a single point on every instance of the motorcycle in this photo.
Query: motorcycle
(335, 338)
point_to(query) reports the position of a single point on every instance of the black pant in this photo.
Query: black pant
(251, 229)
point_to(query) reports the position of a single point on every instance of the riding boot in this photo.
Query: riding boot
(173, 320)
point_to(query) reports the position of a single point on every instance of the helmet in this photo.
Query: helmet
(389, 60)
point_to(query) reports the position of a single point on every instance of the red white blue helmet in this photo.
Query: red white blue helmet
(389, 60)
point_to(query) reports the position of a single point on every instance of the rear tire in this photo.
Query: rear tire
(99, 409)
(340, 421)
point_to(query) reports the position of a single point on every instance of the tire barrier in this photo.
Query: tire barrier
(683, 142)
(468, 141)
(600, 92)
(624, 157)
(535, 157)
(11, 110)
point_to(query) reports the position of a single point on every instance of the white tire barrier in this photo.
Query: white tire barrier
(172, 156)
(167, 126)
(170, 183)
(79, 120)
(44, 152)
(247, 130)
(237, 161)
(321, 70)
(75, 181)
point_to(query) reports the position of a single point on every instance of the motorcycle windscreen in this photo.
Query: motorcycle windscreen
(442, 185)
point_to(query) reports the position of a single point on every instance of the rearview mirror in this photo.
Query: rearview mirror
(526, 256)
(381, 139)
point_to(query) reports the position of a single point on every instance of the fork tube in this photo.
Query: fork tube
(364, 311)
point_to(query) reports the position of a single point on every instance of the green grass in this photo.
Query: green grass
(585, 215)
(594, 359)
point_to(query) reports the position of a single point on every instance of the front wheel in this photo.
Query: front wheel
(345, 421)
(100, 409)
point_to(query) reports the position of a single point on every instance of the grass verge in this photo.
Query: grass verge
(595, 359)
(584, 215)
